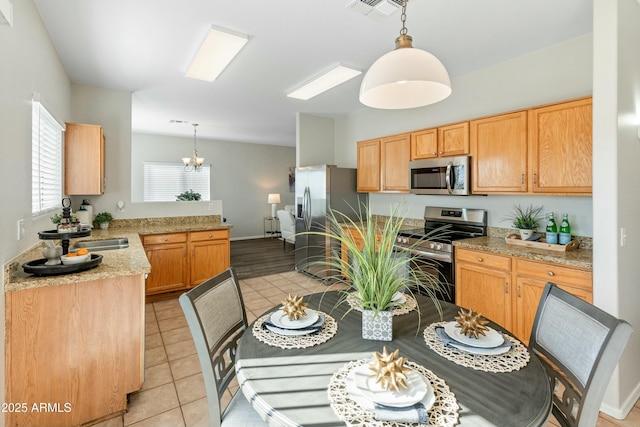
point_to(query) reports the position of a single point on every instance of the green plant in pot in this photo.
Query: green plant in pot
(188, 195)
(374, 272)
(526, 220)
(103, 219)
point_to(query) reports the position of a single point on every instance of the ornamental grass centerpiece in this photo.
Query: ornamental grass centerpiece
(374, 272)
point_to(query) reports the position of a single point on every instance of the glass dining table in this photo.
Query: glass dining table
(289, 387)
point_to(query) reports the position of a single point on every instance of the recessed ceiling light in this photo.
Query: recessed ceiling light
(324, 82)
(216, 52)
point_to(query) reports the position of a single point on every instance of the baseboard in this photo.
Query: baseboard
(627, 406)
(259, 236)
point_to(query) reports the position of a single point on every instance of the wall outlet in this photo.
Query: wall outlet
(211, 206)
(20, 229)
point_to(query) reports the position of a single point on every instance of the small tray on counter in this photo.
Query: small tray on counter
(514, 239)
(39, 268)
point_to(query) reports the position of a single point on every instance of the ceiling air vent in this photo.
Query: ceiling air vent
(375, 9)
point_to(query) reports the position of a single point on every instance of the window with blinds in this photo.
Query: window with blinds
(46, 161)
(164, 181)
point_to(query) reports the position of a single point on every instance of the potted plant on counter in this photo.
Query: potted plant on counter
(103, 219)
(375, 273)
(188, 195)
(526, 220)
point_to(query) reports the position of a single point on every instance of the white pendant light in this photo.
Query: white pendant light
(405, 77)
(193, 163)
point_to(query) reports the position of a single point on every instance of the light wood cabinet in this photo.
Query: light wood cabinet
(560, 137)
(531, 278)
(451, 140)
(368, 172)
(507, 289)
(180, 261)
(84, 159)
(77, 347)
(483, 283)
(383, 164)
(210, 254)
(545, 150)
(499, 153)
(394, 155)
(167, 254)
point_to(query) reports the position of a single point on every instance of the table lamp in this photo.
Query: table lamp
(274, 199)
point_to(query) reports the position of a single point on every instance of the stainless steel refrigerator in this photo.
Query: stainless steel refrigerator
(319, 190)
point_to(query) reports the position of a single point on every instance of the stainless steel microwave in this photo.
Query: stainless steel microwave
(443, 175)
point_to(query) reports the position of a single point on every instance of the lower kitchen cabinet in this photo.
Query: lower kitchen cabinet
(180, 261)
(507, 289)
(210, 254)
(483, 283)
(167, 254)
(73, 351)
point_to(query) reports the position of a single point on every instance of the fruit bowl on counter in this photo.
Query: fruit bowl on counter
(75, 258)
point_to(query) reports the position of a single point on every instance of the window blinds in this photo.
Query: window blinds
(46, 161)
(164, 181)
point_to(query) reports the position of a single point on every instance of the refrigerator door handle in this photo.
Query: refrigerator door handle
(307, 209)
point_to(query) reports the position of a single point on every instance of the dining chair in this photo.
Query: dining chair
(216, 317)
(579, 346)
(287, 227)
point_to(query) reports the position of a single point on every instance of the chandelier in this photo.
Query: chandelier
(193, 163)
(405, 77)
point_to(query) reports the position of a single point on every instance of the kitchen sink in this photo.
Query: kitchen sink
(103, 245)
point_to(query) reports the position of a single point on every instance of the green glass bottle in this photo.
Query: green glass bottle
(565, 230)
(552, 230)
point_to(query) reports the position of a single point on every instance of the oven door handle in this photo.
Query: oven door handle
(432, 256)
(448, 177)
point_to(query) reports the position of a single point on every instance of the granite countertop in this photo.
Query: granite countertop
(581, 257)
(115, 263)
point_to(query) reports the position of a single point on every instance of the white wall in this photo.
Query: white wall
(29, 64)
(314, 140)
(557, 73)
(242, 175)
(616, 200)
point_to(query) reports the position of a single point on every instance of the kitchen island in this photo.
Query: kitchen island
(75, 342)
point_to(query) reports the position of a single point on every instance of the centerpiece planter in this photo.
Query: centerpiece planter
(377, 326)
(374, 272)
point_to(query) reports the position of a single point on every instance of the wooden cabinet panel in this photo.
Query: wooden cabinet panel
(169, 267)
(79, 343)
(84, 160)
(368, 172)
(395, 154)
(484, 259)
(210, 254)
(453, 140)
(561, 147)
(499, 153)
(484, 290)
(160, 239)
(424, 144)
(555, 273)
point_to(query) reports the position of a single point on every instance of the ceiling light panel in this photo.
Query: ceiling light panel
(326, 81)
(217, 50)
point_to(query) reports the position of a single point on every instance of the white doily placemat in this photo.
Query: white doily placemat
(512, 360)
(443, 413)
(329, 329)
(405, 308)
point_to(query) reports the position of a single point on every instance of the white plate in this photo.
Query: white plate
(414, 393)
(482, 351)
(357, 393)
(399, 298)
(289, 332)
(281, 320)
(492, 338)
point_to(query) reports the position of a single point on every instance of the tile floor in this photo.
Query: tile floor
(173, 393)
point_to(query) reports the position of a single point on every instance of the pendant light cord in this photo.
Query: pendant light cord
(403, 18)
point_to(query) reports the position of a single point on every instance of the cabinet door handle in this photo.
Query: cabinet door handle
(210, 235)
(550, 273)
(434, 153)
(519, 292)
(442, 152)
(535, 177)
(506, 287)
(479, 259)
(166, 239)
(522, 179)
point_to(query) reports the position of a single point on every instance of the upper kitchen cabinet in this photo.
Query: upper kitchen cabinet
(560, 137)
(543, 150)
(451, 140)
(499, 153)
(83, 159)
(394, 156)
(368, 174)
(383, 164)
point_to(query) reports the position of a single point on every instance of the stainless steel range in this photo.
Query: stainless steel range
(430, 247)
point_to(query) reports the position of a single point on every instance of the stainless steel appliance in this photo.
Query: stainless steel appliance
(445, 175)
(430, 248)
(319, 190)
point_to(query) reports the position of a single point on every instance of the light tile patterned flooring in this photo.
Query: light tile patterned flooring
(173, 393)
